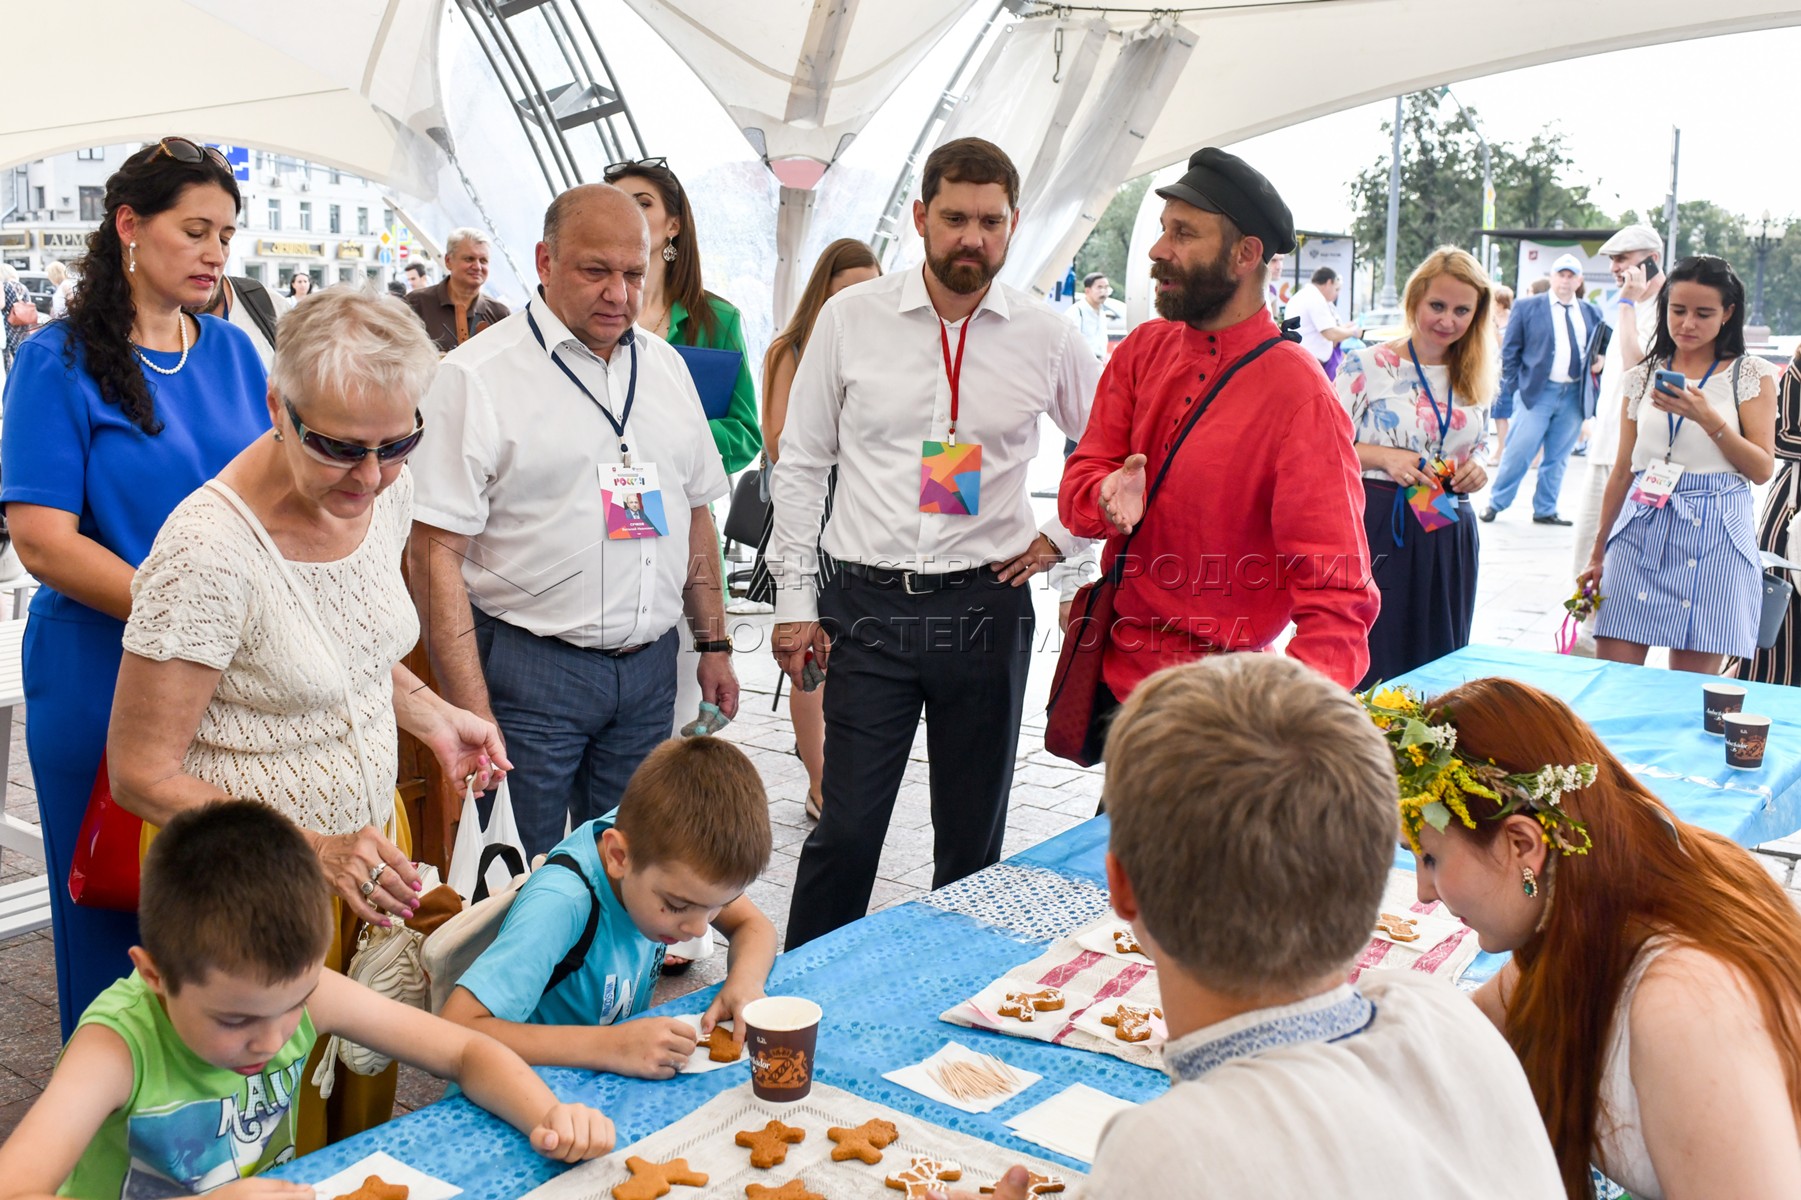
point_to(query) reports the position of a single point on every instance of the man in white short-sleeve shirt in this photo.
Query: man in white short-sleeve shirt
(562, 491)
(1320, 328)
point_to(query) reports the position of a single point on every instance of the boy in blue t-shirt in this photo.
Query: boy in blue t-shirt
(690, 834)
(184, 1077)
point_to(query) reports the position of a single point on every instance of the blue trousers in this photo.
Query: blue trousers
(1553, 425)
(71, 668)
(576, 722)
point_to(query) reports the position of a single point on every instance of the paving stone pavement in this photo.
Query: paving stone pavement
(1525, 575)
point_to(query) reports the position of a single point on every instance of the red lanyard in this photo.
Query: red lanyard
(953, 372)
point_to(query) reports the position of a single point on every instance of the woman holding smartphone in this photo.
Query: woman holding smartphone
(1677, 557)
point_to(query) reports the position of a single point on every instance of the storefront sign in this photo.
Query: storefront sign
(63, 241)
(351, 250)
(14, 239)
(291, 249)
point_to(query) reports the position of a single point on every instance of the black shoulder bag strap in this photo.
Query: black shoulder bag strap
(256, 301)
(1116, 569)
(578, 953)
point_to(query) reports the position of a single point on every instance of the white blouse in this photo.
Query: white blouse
(277, 729)
(1727, 388)
(1381, 391)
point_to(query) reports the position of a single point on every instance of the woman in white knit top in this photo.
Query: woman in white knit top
(262, 658)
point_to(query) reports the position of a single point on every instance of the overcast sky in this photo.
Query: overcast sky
(1733, 97)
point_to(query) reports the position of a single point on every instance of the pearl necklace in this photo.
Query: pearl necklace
(176, 369)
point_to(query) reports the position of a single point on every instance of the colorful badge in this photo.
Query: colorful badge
(950, 478)
(1435, 507)
(634, 506)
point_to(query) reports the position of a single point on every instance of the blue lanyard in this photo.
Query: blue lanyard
(1674, 422)
(1444, 419)
(631, 390)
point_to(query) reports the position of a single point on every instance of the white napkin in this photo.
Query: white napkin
(1069, 1122)
(420, 1186)
(700, 1061)
(983, 1009)
(1432, 928)
(919, 1079)
(1099, 938)
(1090, 1022)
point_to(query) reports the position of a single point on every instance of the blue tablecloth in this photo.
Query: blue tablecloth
(882, 982)
(1651, 720)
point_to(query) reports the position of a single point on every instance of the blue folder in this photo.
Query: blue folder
(715, 374)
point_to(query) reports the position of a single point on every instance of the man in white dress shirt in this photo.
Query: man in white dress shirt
(1320, 329)
(1254, 826)
(924, 388)
(1089, 312)
(563, 493)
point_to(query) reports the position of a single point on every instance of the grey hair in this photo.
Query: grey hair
(55, 272)
(460, 237)
(7, 274)
(354, 342)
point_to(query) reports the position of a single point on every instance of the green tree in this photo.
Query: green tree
(1107, 247)
(1441, 188)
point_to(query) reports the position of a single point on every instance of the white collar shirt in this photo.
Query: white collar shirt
(1560, 334)
(1317, 314)
(872, 388)
(1092, 323)
(511, 459)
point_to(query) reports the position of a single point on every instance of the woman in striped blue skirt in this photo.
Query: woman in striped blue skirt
(1677, 559)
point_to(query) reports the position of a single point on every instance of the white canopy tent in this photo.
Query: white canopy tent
(1082, 99)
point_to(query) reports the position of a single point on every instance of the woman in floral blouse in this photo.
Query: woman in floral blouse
(1419, 410)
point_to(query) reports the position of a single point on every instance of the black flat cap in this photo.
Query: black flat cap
(1224, 183)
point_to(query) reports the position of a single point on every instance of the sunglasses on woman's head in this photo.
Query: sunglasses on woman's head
(620, 170)
(340, 453)
(183, 151)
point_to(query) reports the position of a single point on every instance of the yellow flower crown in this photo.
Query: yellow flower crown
(1434, 781)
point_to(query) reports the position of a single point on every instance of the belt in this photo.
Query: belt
(621, 651)
(914, 583)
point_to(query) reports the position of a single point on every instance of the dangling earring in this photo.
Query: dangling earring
(669, 251)
(1528, 882)
(132, 250)
(278, 436)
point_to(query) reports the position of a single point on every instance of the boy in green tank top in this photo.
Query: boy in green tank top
(184, 1077)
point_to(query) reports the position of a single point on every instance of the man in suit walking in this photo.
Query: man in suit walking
(1546, 356)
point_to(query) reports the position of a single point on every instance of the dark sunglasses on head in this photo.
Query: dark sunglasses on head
(183, 151)
(620, 170)
(349, 454)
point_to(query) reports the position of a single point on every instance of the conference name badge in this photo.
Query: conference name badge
(1434, 507)
(1656, 483)
(950, 478)
(634, 506)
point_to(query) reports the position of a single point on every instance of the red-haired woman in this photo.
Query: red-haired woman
(1654, 994)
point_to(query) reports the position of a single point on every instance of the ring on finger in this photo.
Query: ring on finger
(368, 887)
(375, 872)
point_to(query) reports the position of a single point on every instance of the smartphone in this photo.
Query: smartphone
(1672, 382)
(1650, 268)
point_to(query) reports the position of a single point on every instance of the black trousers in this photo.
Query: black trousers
(962, 653)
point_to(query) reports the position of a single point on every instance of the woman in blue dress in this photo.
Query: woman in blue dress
(112, 416)
(1677, 558)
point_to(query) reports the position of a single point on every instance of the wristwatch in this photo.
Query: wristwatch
(721, 646)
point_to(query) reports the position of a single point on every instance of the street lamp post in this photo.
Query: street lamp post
(1764, 234)
(1390, 296)
(1488, 179)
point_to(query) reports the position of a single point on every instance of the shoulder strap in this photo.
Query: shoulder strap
(1150, 493)
(578, 953)
(258, 304)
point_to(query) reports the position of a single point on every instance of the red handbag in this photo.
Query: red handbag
(104, 872)
(1069, 725)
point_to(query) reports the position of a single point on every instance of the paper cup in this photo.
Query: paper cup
(1746, 737)
(782, 1033)
(1718, 699)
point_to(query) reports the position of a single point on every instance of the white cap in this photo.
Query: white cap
(1567, 262)
(1633, 237)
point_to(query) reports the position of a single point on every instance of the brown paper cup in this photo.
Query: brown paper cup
(1718, 699)
(1746, 737)
(782, 1033)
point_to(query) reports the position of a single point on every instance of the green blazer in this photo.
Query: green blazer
(736, 434)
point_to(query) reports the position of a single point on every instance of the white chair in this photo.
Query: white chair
(25, 905)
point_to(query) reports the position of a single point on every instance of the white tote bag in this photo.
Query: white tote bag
(486, 860)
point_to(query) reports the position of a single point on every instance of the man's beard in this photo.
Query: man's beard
(962, 276)
(1202, 292)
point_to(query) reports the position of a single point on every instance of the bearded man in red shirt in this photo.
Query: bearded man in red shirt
(1259, 521)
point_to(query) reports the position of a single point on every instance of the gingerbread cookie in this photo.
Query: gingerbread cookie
(769, 1145)
(1398, 928)
(1126, 942)
(1023, 1006)
(1036, 1185)
(377, 1188)
(721, 1047)
(650, 1180)
(925, 1175)
(794, 1189)
(1132, 1022)
(864, 1142)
